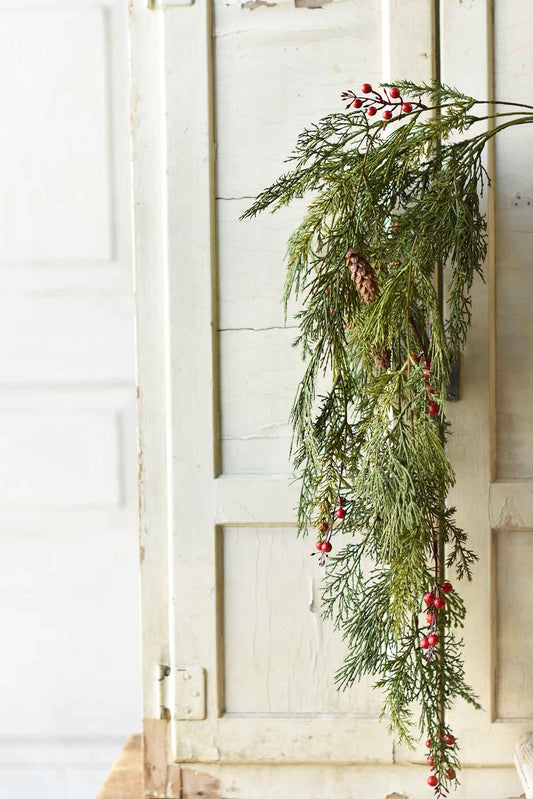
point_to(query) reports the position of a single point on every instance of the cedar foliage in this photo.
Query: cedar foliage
(400, 197)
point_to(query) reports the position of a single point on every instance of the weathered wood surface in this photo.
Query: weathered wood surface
(125, 780)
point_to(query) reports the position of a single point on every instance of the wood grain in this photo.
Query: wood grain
(125, 780)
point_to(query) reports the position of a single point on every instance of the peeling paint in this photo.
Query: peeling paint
(253, 4)
(510, 517)
(311, 3)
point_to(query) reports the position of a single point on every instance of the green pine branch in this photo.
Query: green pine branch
(407, 195)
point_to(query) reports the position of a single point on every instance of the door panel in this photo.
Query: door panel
(279, 656)
(228, 587)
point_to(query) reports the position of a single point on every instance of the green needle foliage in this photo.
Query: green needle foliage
(407, 195)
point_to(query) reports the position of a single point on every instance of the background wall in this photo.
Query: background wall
(68, 549)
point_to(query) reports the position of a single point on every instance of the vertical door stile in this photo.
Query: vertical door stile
(465, 48)
(189, 222)
(148, 167)
(468, 62)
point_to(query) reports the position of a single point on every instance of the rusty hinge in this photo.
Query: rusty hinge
(181, 693)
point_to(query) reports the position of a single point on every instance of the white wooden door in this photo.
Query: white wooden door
(219, 95)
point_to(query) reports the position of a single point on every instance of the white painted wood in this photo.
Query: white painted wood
(44, 84)
(217, 510)
(524, 764)
(484, 449)
(67, 398)
(148, 168)
(368, 782)
(217, 504)
(248, 499)
(514, 688)
(280, 658)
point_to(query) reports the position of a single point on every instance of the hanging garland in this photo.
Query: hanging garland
(391, 200)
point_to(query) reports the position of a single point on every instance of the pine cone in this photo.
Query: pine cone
(363, 275)
(381, 357)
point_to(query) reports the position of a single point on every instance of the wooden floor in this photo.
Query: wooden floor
(125, 778)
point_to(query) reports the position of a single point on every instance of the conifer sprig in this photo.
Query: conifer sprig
(402, 194)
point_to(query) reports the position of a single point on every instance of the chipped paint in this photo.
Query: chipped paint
(251, 5)
(510, 517)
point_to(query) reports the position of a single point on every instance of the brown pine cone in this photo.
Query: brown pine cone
(363, 275)
(381, 357)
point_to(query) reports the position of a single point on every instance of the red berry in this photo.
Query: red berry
(432, 781)
(394, 92)
(433, 409)
(450, 774)
(428, 363)
(430, 390)
(447, 588)
(428, 598)
(449, 739)
(319, 544)
(433, 640)
(414, 359)
(424, 643)
(371, 111)
(439, 602)
(387, 114)
(357, 103)
(323, 527)
(430, 618)
(340, 513)
(407, 108)
(428, 743)
(396, 224)
(366, 88)
(426, 373)
(431, 762)
(326, 546)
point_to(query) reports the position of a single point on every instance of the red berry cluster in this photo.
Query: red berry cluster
(449, 774)
(433, 407)
(325, 530)
(435, 600)
(388, 101)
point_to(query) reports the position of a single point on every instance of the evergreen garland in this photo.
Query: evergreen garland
(390, 199)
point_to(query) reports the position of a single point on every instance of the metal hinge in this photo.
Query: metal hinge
(181, 693)
(454, 386)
